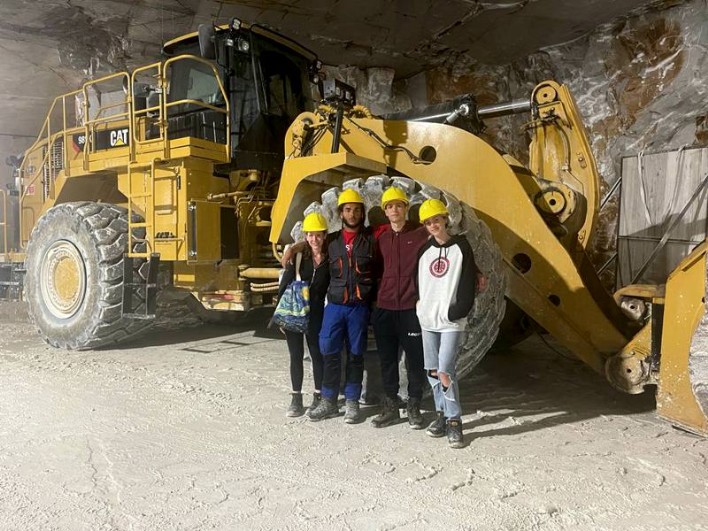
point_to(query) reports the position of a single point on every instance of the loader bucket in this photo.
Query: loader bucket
(682, 398)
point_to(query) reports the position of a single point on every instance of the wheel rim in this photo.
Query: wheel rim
(63, 279)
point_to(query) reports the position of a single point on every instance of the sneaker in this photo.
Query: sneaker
(326, 409)
(316, 398)
(352, 415)
(296, 408)
(437, 428)
(389, 414)
(415, 418)
(454, 433)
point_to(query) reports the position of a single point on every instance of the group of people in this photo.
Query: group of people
(415, 283)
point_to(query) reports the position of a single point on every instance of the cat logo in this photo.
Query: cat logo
(119, 137)
(103, 139)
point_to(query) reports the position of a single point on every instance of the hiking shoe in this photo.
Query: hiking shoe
(296, 408)
(316, 398)
(415, 418)
(454, 433)
(326, 409)
(352, 415)
(437, 428)
(389, 414)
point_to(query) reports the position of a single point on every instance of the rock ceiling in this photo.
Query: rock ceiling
(48, 47)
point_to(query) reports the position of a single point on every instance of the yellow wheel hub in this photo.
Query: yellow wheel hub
(63, 279)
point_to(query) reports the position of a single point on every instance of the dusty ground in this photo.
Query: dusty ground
(185, 430)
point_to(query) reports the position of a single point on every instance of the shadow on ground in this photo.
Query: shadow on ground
(255, 321)
(531, 387)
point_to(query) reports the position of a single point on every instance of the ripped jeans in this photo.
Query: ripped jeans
(440, 351)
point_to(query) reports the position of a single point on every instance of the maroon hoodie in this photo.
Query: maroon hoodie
(399, 253)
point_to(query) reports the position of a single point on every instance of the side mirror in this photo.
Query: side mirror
(206, 41)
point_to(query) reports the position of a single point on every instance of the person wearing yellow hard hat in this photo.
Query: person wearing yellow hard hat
(394, 319)
(312, 266)
(352, 288)
(447, 279)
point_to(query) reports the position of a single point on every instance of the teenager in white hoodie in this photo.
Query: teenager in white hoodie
(447, 284)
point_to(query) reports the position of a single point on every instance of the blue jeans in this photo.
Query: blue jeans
(343, 325)
(440, 352)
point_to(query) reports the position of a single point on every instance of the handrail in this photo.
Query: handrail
(48, 139)
(46, 125)
(3, 194)
(198, 103)
(225, 110)
(90, 123)
(158, 67)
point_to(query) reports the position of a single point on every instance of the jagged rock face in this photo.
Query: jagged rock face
(374, 88)
(640, 83)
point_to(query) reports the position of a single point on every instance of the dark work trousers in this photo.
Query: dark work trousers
(297, 354)
(396, 329)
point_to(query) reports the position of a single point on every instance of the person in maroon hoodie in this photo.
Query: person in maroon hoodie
(394, 318)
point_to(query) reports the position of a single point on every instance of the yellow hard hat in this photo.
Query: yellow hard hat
(393, 194)
(349, 196)
(430, 208)
(314, 222)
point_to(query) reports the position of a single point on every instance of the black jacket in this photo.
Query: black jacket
(352, 278)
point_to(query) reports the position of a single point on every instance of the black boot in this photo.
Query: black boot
(316, 398)
(352, 415)
(326, 409)
(438, 427)
(389, 413)
(415, 418)
(454, 433)
(296, 408)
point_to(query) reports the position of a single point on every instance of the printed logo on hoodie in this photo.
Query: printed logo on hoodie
(439, 267)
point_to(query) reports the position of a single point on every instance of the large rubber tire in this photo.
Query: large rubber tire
(489, 307)
(74, 279)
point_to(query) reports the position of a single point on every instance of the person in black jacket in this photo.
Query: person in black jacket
(314, 268)
(352, 288)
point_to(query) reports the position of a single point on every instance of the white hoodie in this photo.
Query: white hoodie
(447, 279)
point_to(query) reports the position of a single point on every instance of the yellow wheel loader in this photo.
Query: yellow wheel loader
(190, 174)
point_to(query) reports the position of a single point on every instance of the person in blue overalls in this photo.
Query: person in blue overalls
(351, 291)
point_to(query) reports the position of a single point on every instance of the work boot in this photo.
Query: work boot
(454, 433)
(415, 418)
(296, 408)
(326, 409)
(438, 427)
(352, 414)
(389, 414)
(316, 398)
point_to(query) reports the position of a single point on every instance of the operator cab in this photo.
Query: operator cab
(268, 78)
